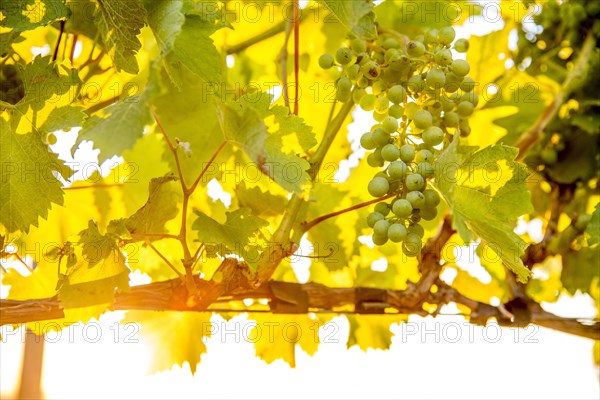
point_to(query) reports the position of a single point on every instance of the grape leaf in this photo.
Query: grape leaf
(28, 185)
(7, 39)
(288, 170)
(235, 233)
(176, 337)
(486, 192)
(580, 269)
(161, 207)
(166, 19)
(262, 204)
(357, 16)
(593, 228)
(119, 22)
(41, 283)
(371, 331)
(287, 123)
(241, 125)
(23, 15)
(63, 118)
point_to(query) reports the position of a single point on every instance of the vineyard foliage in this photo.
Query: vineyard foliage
(216, 146)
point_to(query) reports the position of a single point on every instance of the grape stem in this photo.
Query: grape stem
(306, 226)
(572, 81)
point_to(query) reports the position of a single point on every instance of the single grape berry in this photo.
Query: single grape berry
(433, 136)
(467, 84)
(396, 111)
(375, 160)
(435, 78)
(397, 94)
(51, 139)
(397, 169)
(343, 95)
(425, 169)
(381, 137)
(402, 208)
(443, 57)
(343, 55)
(366, 141)
(397, 233)
(412, 245)
(464, 108)
(353, 71)
(451, 119)
(460, 67)
(378, 187)
(415, 84)
(414, 182)
(446, 35)
(390, 125)
(416, 199)
(382, 208)
(381, 227)
(326, 61)
(358, 46)
(415, 49)
(428, 214)
(382, 104)
(411, 110)
(371, 70)
(461, 45)
(423, 119)
(390, 152)
(417, 230)
(379, 240)
(373, 218)
(367, 102)
(432, 198)
(407, 153)
(424, 155)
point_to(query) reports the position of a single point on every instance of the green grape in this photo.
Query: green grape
(371, 70)
(443, 57)
(467, 84)
(431, 37)
(344, 84)
(51, 139)
(411, 110)
(452, 82)
(451, 119)
(396, 111)
(367, 102)
(433, 136)
(424, 155)
(326, 61)
(407, 153)
(415, 49)
(390, 152)
(417, 230)
(353, 71)
(381, 137)
(378, 187)
(435, 78)
(425, 169)
(379, 87)
(358, 94)
(362, 82)
(397, 169)
(378, 57)
(373, 218)
(396, 233)
(390, 125)
(391, 77)
(416, 199)
(464, 108)
(390, 43)
(465, 128)
(461, 45)
(415, 84)
(382, 104)
(414, 182)
(432, 198)
(375, 160)
(366, 141)
(343, 95)
(423, 119)
(428, 214)
(380, 240)
(412, 245)
(379, 117)
(382, 208)
(460, 67)
(471, 97)
(343, 55)
(358, 46)
(402, 208)
(446, 35)
(549, 156)
(391, 54)
(381, 227)
(399, 63)
(397, 94)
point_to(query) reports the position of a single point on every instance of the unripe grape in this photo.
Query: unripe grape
(416, 199)
(382, 208)
(407, 153)
(378, 57)
(432, 198)
(446, 35)
(375, 160)
(381, 137)
(382, 104)
(425, 169)
(367, 102)
(373, 218)
(362, 82)
(397, 169)
(379, 87)
(366, 141)
(380, 240)
(402, 208)
(378, 187)
(397, 94)
(344, 84)
(396, 111)
(422, 119)
(412, 245)
(424, 155)
(390, 152)
(343, 55)
(443, 57)
(461, 45)
(381, 227)
(371, 70)
(411, 110)
(428, 214)
(471, 97)
(358, 46)
(399, 63)
(417, 230)
(51, 139)
(343, 95)
(460, 67)
(326, 61)
(415, 49)
(414, 182)
(390, 125)
(391, 77)
(379, 117)
(390, 43)
(431, 36)
(467, 84)
(415, 84)
(353, 71)
(465, 128)
(464, 109)
(358, 94)
(435, 78)
(451, 119)
(397, 233)
(433, 136)
(391, 53)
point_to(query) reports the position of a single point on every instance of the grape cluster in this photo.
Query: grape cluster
(420, 96)
(11, 85)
